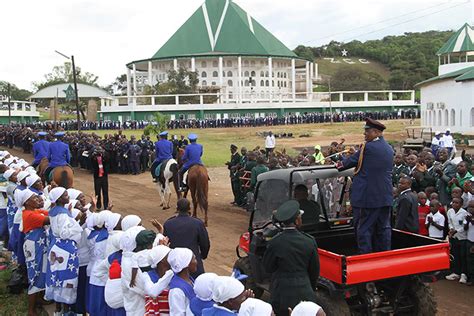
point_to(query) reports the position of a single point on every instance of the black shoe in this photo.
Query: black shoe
(155, 180)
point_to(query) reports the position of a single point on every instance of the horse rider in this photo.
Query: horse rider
(163, 151)
(58, 154)
(40, 149)
(192, 156)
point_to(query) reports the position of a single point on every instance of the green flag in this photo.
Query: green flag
(70, 93)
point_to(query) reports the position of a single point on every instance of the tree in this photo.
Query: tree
(160, 124)
(119, 86)
(354, 79)
(15, 92)
(64, 74)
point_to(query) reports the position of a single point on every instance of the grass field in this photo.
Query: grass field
(327, 68)
(217, 141)
(11, 304)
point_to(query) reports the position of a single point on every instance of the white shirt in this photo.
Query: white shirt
(470, 231)
(435, 141)
(447, 141)
(439, 219)
(65, 227)
(466, 197)
(97, 254)
(179, 303)
(270, 141)
(455, 221)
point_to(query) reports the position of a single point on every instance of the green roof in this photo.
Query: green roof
(221, 27)
(458, 75)
(461, 41)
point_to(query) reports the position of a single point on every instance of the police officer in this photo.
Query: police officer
(40, 149)
(371, 192)
(233, 165)
(163, 151)
(292, 259)
(192, 156)
(58, 154)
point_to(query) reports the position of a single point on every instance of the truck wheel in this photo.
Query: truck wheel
(332, 305)
(423, 298)
(243, 264)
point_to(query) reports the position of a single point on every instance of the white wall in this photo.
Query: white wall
(458, 98)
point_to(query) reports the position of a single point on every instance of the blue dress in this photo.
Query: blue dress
(216, 311)
(36, 250)
(197, 305)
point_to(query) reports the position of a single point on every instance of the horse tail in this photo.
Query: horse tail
(202, 190)
(64, 179)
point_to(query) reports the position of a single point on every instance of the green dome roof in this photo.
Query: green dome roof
(221, 27)
(461, 41)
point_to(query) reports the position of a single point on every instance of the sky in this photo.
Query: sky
(104, 35)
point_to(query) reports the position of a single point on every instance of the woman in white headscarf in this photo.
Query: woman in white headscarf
(307, 309)
(255, 307)
(35, 184)
(183, 262)
(63, 262)
(229, 294)
(130, 221)
(203, 290)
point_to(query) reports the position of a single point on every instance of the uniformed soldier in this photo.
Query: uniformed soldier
(258, 169)
(58, 154)
(163, 151)
(192, 156)
(232, 165)
(292, 259)
(40, 149)
(371, 192)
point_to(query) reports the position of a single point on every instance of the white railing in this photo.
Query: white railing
(338, 98)
(18, 108)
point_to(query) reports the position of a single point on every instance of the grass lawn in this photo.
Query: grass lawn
(328, 68)
(11, 304)
(216, 141)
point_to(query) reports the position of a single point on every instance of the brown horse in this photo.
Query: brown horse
(199, 186)
(61, 175)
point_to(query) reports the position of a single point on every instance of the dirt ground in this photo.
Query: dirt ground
(138, 195)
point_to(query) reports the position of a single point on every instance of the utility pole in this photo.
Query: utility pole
(9, 105)
(75, 91)
(330, 98)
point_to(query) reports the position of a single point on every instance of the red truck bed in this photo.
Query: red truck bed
(411, 254)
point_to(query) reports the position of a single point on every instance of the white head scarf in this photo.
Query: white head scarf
(255, 307)
(127, 240)
(157, 254)
(142, 258)
(203, 286)
(130, 221)
(32, 179)
(56, 193)
(30, 170)
(9, 161)
(71, 202)
(306, 309)
(22, 175)
(111, 221)
(23, 196)
(113, 243)
(96, 219)
(225, 288)
(179, 259)
(73, 193)
(7, 174)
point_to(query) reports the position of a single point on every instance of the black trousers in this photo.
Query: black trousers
(144, 162)
(101, 188)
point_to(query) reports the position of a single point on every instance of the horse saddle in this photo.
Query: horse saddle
(185, 177)
(158, 169)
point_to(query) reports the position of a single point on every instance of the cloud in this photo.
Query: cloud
(105, 35)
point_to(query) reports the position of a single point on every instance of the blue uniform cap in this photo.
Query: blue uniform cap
(59, 134)
(165, 133)
(42, 134)
(192, 137)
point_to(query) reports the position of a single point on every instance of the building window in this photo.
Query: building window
(223, 74)
(215, 74)
(215, 63)
(252, 63)
(230, 83)
(439, 118)
(262, 74)
(446, 117)
(203, 64)
(253, 74)
(246, 63)
(266, 74)
(262, 83)
(203, 74)
(229, 74)
(472, 117)
(204, 83)
(246, 74)
(229, 63)
(246, 83)
(267, 83)
(453, 117)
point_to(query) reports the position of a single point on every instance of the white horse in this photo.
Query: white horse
(168, 173)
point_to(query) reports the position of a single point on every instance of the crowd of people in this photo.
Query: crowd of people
(99, 262)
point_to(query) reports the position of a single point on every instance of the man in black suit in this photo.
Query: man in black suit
(185, 231)
(100, 162)
(407, 207)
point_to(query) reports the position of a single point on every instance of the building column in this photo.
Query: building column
(150, 73)
(129, 87)
(239, 78)
(366, 97)
(193, 64)
(221, 67)
(293, 80)
(134, 78)
(175, 64)
(307, 79)
(270, 74)
(311, 76)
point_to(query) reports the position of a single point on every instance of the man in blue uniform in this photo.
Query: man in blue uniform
(40, 149)
(163, 151)
(58, 154)
(192, 155)
(371, 192)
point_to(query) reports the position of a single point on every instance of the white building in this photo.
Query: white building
(447, 100)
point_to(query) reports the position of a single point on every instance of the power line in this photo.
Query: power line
(406, 21)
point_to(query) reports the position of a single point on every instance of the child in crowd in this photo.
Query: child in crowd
(457, 238)
(435, 221)
(423, 210)
(469, 227)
